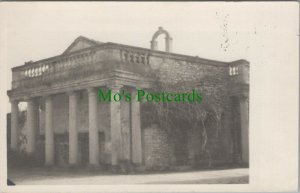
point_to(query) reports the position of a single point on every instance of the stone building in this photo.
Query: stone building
(64, 115)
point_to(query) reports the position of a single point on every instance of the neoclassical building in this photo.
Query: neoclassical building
(64, 114)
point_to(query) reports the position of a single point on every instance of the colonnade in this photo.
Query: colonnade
(93, 129)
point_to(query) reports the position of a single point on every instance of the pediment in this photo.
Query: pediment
(81, 43)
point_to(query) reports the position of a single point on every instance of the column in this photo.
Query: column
(73, 133)
(49, 133)
(136, 130)
(244, 113)
(115, 126)
(31, 126)
(37, 117)
(14, 126)
(168, 44)
(93, 128)
(154, 45)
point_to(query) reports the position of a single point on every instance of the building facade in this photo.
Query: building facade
(64, 115)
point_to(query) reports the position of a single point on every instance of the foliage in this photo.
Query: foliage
(196, 115)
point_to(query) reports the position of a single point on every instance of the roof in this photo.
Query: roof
(80, 43)
(83, 43)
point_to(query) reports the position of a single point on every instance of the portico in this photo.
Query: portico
(115, 138)
(58, 76)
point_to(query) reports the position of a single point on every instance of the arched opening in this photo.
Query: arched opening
(161, 43)
(168, 40)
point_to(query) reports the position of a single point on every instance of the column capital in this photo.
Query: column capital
(115, 87)
(91, 90)
(47, 97)
(135, 88)
(71, 92)
(14, 101)
(242, 98)
(28, 99)
(31, 98)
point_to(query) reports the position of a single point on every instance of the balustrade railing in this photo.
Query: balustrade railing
(58, 64)
(233, 70)
(45, 71)
(239, 72)
(136, 57)
(42, 70)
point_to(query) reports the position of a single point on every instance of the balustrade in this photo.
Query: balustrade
(233, 70)
(52, 66)
(47, 71)
(135, 57)
(60, 64)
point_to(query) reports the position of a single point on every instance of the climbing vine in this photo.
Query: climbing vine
(205, 117)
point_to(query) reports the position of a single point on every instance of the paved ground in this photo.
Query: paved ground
(42, 177)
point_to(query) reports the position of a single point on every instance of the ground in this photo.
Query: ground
(59, 176)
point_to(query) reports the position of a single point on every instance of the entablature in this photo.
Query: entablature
(109, 77)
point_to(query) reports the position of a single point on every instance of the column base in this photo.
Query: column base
(114, 168)
(49, 166)
(139, 168)
(14, 150)
(244, 165)
(74, 166)
(94, 167)
(127, 168)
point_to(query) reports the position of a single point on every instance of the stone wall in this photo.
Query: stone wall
(156, 148)
(178, 71)
(193, 145)
(213, 82)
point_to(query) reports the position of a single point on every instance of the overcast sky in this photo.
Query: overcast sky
(262, 33)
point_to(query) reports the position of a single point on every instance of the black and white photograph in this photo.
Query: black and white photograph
(158, 94)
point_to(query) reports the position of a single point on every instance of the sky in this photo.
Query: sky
(257, 32)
